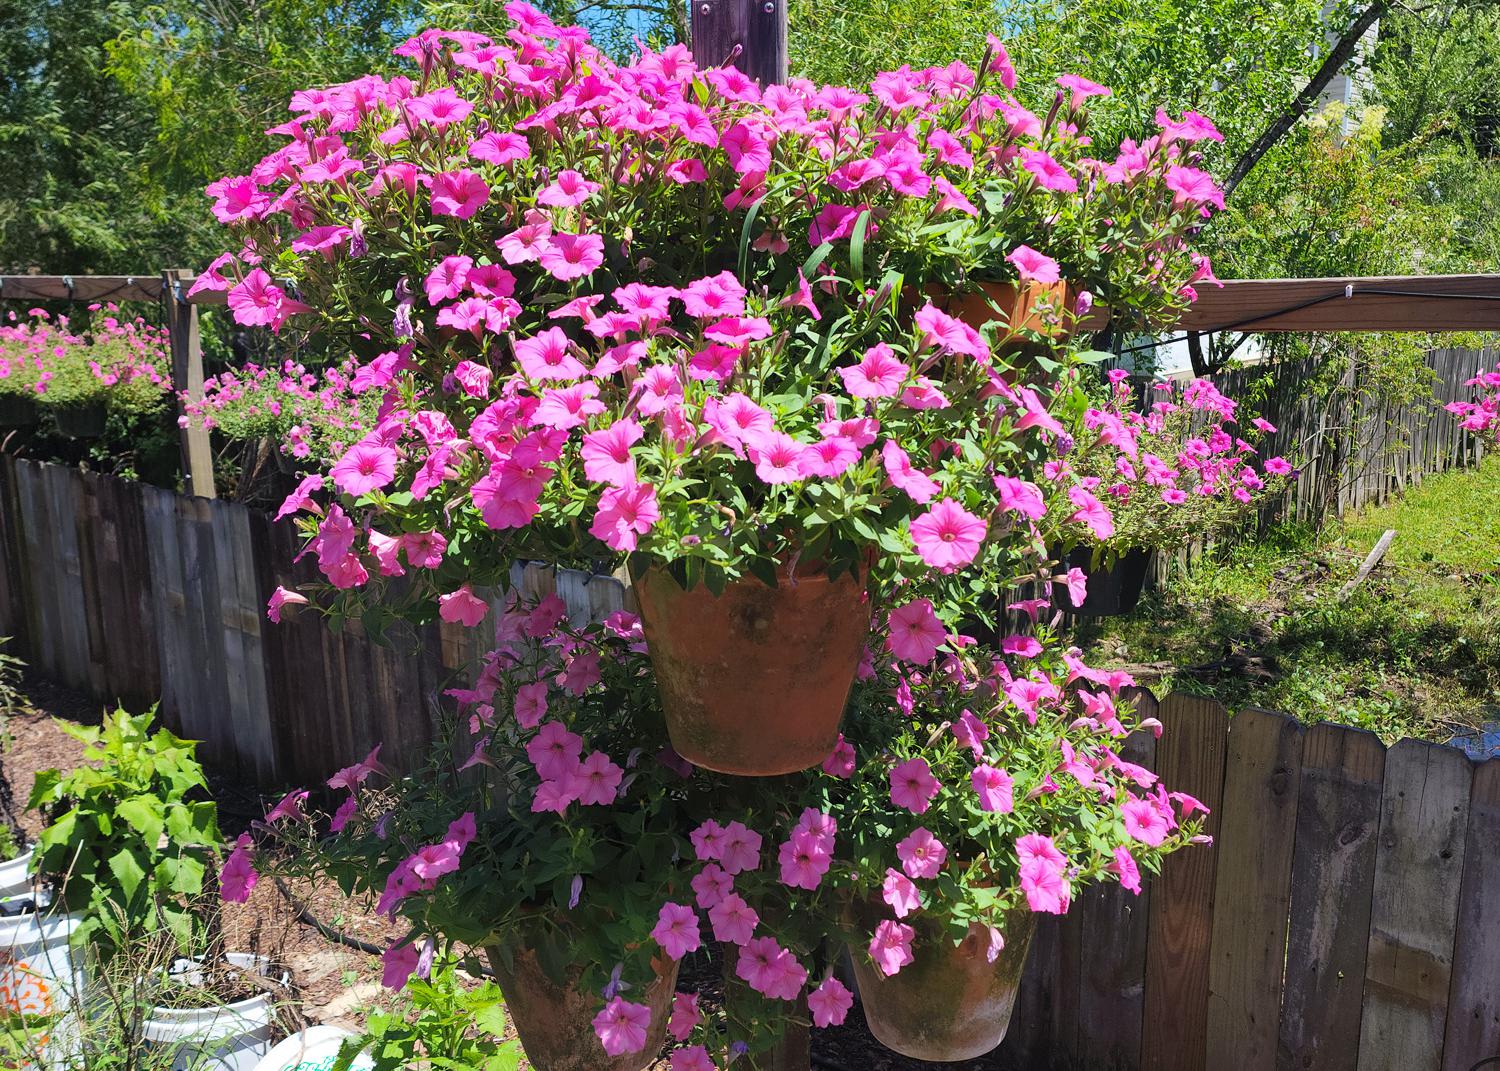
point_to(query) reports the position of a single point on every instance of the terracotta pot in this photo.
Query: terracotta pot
(754, 681)
(949, 1003)
(1019, 303)
(1113, 589)
(556, 1022)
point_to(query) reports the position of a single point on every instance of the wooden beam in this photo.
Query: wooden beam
(748, 34)
(187, 375)
(144, 287)
(1388, 303)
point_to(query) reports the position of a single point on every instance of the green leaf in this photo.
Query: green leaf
(857, 246)
(144, 814)
(183, 874)
(492, 1019)
(127, 869)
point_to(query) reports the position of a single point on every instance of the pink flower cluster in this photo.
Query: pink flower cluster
(1481, 416)
(113, 356)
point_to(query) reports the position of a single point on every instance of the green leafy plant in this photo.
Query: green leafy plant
(128, 844)
(443, 1024)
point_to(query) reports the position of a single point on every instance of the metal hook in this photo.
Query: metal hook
(1348, 290)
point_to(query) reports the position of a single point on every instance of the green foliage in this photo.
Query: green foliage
(127, 841)
(1415, 651)
(442, 1024)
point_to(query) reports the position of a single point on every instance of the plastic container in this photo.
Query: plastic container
(15, 876)
(39, 976)
(230, 1037)
(314, 1049)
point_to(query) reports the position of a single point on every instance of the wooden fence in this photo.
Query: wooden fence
(1346, 917)
(128, 592)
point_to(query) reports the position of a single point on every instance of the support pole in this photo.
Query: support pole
(187, 375)
(748, 34)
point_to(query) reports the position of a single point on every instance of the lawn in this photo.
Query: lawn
(1413, 651)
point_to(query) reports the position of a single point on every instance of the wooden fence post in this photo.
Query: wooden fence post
(187, 375)
(749, 34)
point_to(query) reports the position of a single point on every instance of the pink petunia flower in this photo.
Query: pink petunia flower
(625, 514)
(830, 1003)
(458, 193)
(878, 375)
(913, 786)
(948, 536)
(1144, 821)
(804, 859)
(571, 256)
(398, 963)
(733, 920)
(905, 476)
(280, 598)
(914, 632)
(890, 946)
(1126, 869)
(685, 1016)
(993, 787)
(840, 761)
(568, 190)
(691, 1058)
(462, 606)
(547, 356)
(922, 855)
(900, 893)
(677, 930)
(1033, 266)
(741, 849)
(622, 1026)
(777, 458)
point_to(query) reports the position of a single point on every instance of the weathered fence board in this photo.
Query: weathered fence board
(1418, 869)
(1189, 758)
(1333, 876)
(1473, 1030)
(1262, 775)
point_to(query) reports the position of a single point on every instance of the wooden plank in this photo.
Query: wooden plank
(143, 287)
(205, 712)
(12, 590)
(135, 661)
(1424, 816)
(1333, 876)
(1256, 828)
(751, 36)
(168, 606)
(38, 569)
(1190, 758)
(187, 376)
(72, 638)
(1111, 991)
(239, 625)
(1473, 1030)
(1422, 303)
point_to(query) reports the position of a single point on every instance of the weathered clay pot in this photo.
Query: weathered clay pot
(1021, 304)
(556, 1022)
(949, 1003)
(754, 681)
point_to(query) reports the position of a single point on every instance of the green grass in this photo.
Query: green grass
(1415, 651)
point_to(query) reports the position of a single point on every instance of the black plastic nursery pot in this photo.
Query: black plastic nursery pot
(1113, 589)
(17, 411)
(81, 421)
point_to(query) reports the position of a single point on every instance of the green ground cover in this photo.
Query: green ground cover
(1414, 650)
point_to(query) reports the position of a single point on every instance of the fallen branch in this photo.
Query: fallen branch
(1370, 562)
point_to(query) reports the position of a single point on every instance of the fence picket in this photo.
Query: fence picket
(1473, 1029)
(1261, 782)
(1190, 758)
(1424, 815)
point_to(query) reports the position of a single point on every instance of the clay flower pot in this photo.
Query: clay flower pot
(1021, 303)
(754, 681)
(1113, 589)
(556, 1022)
(950, 1002)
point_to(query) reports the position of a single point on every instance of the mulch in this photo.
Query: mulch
(331, 982)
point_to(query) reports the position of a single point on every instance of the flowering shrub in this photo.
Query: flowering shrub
(1180, 470)
(313, 418)
(1483, 415)
(126, 363)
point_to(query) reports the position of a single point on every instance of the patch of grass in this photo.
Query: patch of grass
(1415, 651)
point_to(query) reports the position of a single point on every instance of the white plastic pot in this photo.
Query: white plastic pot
(39, 976)
(231, 1037)
(314, 1049)
(15, 876)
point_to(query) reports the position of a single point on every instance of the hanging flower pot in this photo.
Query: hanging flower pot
(1114, 588)
(80, 421)
(754, 681)
(232, 1037)
(555, 1021)
(17, 411)
(1025, 306)
(950, 1002)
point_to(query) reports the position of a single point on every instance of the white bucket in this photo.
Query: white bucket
(15, 876)
(39, 978)
(232, 1037)
(314, 1049)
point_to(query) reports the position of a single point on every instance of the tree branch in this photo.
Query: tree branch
(1340, 54)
